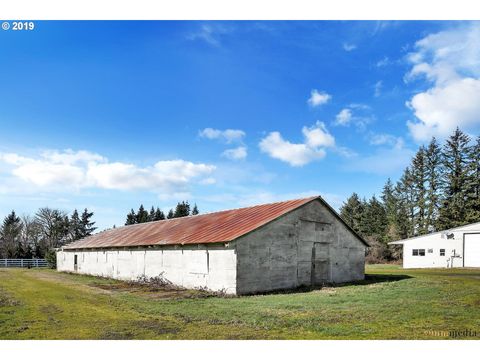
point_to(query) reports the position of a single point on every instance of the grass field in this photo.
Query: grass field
(392, 303)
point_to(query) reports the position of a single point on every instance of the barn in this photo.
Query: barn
(241, 251)
(452, 248)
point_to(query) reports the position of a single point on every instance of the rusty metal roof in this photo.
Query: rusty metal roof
(217, 227)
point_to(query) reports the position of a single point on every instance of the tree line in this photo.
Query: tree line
(440, 189)
(37, 236)
(142, 215)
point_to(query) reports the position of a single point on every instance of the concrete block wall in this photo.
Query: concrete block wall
(279, 255)
(212, 267)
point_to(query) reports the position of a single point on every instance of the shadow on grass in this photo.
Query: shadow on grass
(375, 279)
(369, 280)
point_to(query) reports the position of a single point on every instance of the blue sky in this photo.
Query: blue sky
(108, 115)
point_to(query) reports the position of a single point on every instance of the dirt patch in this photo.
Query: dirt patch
(157, 326)
(116, 335)
(50, 309)
(153, 292)
(156, 288)
(7, 300)
(22, 328)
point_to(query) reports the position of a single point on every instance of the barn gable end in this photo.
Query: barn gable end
(308, 246)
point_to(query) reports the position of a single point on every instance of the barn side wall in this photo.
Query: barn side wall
(211, 267)
(279, 255)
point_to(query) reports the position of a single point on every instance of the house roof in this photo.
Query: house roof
(458, 228)
(218, 227)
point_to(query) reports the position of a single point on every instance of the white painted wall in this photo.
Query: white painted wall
(434, 242)
(192, 267)
(472, 250)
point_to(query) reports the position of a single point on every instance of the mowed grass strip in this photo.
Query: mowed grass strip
(392, 303)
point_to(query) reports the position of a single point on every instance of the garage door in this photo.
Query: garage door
(472, 250)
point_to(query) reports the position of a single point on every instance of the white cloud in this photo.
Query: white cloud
(55, 170)
(343, 117)
(386, 139)
(345, 152)
(442, 108)
(208, 181)
(318, 98)
(229, 135)
(210, 33)
(378, 88)
(238, 153)
(346, 116)
(318, 136)
(349, 47)
(294, 154)
(383, 62)
(316, 139)
(450, 63)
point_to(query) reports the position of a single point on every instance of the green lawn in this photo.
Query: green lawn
(392, 303)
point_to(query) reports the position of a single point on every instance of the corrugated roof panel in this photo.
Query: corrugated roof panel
(218, 227)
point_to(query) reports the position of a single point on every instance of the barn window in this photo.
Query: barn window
(415, 252)
(442, 252)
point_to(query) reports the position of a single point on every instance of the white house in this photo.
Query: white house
(457, 247)
(256, 249)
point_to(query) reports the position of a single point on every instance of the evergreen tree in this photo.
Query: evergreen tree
(10, 233)
(433, 174)
(87, 225)
(473, 187)
(419, 180)
(131, 218)
(352, 212)
(456, 165)
(159, 215)
(142, 215)
(151, 215)
(182, 209)
(391, 205)
(406, 190)
(195, 210)
(170, 214)
(75, 226)
(374, 221)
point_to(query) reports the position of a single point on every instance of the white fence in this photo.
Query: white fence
(23, 263)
